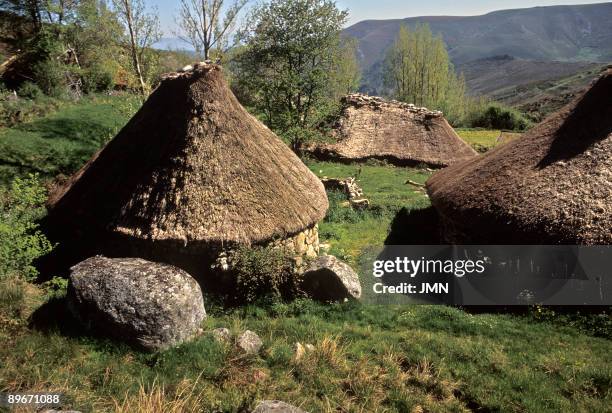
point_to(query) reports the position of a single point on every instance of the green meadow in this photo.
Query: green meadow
(366, 358)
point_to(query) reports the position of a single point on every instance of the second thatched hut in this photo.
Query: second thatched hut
(190, 175)
(402, 134)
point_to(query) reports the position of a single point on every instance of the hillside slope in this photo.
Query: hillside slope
(563, 33)
(494, 75)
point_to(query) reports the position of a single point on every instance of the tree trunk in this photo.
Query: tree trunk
(134, 46)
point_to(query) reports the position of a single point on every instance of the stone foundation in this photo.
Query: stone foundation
(301, 246)
(304, 243)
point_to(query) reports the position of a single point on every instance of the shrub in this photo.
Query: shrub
(496, 116)
(30, 90)
(21, 242)
(263, 271)
(96, 79)
(594, 321)
(50, 75)
(296, 137)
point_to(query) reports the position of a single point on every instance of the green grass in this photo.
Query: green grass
(350, 232)
(367, 358)
(63, 141)
(483, 140)
(479, 137)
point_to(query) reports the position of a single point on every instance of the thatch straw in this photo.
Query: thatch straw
(192, 166)
(554, 185)
(373, 128)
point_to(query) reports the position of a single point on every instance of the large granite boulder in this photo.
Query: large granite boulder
(276, 406)
(329, 279)
(150, 305)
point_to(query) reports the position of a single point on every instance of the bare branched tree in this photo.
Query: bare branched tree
(206, 24)
(143, 30)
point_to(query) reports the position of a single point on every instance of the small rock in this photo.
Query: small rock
(299, 351)
(151, 305)
(187, 68)
(360, 203)
(222, 335)
(276, 406)
(309, 347)
(249, 342)
(329, 279)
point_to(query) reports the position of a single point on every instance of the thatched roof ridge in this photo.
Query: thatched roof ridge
(193, 166)
(371, 127)
(553, 185)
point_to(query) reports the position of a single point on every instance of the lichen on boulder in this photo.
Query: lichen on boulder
(153, 306)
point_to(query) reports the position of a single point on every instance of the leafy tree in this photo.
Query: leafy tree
(32, 9)
(290, 54)
(97, 35)
(497, 116)
(142, 30)
(417, 69)
(77, 40)
(207, 23)
(347, 73)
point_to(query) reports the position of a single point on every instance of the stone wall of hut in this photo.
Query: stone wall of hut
(302, 244)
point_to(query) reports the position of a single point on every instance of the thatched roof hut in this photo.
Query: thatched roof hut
(553, 185)
(403, 134)
(190, 170)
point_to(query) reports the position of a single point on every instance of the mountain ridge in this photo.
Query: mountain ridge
(563, 33)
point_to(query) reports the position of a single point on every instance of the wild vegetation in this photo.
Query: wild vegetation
(374, 358)
(417, 70)
(366, 358)
(294, 65)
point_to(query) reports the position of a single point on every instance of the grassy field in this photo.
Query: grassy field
(483, 140)
(350, 232)
(366, 358)
(61, 142)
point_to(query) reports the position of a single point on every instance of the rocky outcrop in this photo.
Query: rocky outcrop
(276, 406)
(151, 305)
(329, 279)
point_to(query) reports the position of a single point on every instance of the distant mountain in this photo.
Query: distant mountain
(581, 33)
(173, 43)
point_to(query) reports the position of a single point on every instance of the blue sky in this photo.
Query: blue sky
(391, 9)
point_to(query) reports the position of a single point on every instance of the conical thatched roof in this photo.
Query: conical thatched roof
(554, 185)
(373, 128)
(192, 166)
